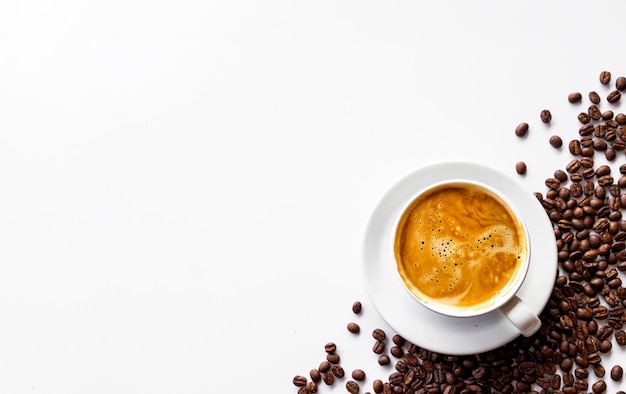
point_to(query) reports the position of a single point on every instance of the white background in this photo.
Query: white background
(184, 185)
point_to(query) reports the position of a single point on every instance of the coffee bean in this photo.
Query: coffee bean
(574, 147)
(378, 334)
(545, 116)
(556, 141)
(594, 97)
(356, 307)
(594, 112)
(358, 374)
(379, 347)
(330, 347)
(574, 97)
(607, 115)
(338, 371)
(553, 183)
(599, 387)
(315, 375)
(354, 328)
(377, 385)
(299, 381)
(352, 386)
(617, 372)
(522, 129)
(383, 360)
(610, 154)
(324, 366)
(599, 145)
(613, 96)
(333, 358)
(620, 119)
(328, 378)
(620, 83)
(586, 130)
(520, 167)
(605, 77)
(581, 385)
(311, 387)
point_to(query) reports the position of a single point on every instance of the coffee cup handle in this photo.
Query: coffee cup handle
(520, 315)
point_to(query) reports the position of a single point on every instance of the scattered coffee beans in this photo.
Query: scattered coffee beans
(585, 316)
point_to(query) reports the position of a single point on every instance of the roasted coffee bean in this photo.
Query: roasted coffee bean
(599, 387)
(594, 358)
(618, 145)
(610, 154)
(607, 115)
(599, 371)
(553, 183)
(620, 83)
(352, 386)
(581, 385)
(613, 96)
(594, 112)
(379, 347)
(333, 358)
(594, 97)
(315, 375)
(617, 373)
(338, 371)
(556, 141)
(600, 145)
(520, 167)
(378, 334)
(383, 359)
(522, 129)
(324, 366)
(573, 166)
(398, 340)
(605, 77)
(397, 351)
(620, 119)
(330, 347)
(299, 381)
(328, 378)
(354, 328)
(587, 162)
(604, 333)
(585, 130)
(545, 116)
(574, 97)
(311, 387)
(377, 385)
(574, 147)
(356, 307)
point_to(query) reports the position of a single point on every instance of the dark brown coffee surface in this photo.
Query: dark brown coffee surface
(459, 245)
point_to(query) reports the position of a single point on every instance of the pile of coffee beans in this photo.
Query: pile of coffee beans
(586, 314)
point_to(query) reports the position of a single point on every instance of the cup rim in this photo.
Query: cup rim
(499, 300)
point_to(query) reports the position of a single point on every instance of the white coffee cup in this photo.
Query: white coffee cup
(455, 266)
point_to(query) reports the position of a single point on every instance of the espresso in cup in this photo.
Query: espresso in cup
(460, 249)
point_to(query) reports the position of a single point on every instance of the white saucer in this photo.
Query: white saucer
(430, 330)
